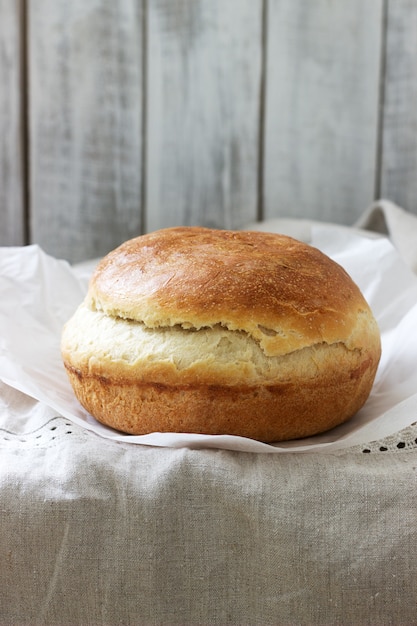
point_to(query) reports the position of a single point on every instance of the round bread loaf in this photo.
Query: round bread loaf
(221, 332)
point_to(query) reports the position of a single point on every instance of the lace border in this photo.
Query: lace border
(404, 440)
(46, 435)
(58, 428)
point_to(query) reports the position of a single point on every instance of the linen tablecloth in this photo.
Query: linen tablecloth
(99, 532)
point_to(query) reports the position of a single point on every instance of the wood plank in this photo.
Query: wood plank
(12, 227)
(321, 125)
(399, 136)
(86, 110)
(203, 77)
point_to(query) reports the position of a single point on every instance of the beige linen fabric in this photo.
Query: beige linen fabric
(99, 533)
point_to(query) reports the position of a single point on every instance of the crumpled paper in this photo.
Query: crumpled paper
(40, 293)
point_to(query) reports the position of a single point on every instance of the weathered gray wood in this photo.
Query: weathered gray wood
(321, 125)
(203, 84)
(205, 138)
(85, 115)
(12, 195)
(399, 138)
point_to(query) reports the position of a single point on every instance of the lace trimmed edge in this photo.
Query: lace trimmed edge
(58, 428)
(46, 435)
(402, 441)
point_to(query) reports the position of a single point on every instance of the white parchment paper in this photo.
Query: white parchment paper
(38, 294)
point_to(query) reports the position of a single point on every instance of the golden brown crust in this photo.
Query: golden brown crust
(267, 413)
(284, 293)
(221, 332)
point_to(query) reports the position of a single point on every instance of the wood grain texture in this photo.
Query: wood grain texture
(203, 83)
(251, 108)
(85, 115)
(399, 139)
(321, 125)
(12, 195)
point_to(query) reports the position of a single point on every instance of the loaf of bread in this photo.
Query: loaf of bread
(210, 331)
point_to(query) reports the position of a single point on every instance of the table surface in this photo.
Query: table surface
(100, 532)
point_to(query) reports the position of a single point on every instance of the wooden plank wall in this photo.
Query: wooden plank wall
(12, 169)
(122, 117)
(204, 69)
(85, 85)
(323, 76)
